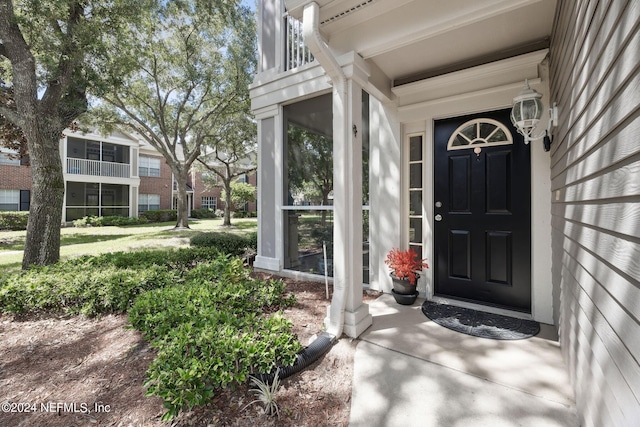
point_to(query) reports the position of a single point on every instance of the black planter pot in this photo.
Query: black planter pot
(404, 299)
(402, 286)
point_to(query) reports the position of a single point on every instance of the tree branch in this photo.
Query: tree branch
(10, 115)
(67, 61)
(16, 50)
(142, 128)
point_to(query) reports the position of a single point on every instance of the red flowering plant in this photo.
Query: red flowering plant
(405, 264)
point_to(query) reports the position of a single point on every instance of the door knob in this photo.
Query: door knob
(438, 217)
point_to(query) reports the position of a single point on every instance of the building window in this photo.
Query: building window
(149, 166)
(209, 202)
(86, 149)
(416, 185)
(209, 178)
(95, 199)
(244, 178)
(148, 202)
(9, 157)
(9, 200)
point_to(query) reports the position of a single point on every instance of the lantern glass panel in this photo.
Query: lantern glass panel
(532, 109)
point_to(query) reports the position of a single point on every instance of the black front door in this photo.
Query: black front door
(482, 227)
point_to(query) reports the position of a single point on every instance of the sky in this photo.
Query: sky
(249, 3)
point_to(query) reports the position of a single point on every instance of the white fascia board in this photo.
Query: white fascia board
(479, 73)
(466, 103)
(270, 89)
(95, 136)
(512, 71)
(475, 12)
(290, 86)
(135, 181)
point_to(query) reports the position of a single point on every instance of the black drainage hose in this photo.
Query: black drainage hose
(305, 357)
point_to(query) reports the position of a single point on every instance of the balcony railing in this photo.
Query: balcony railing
(296, 51)
(97, 168)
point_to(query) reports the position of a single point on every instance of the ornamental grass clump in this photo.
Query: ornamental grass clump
(405, 264)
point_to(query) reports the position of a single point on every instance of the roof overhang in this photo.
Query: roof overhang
(410, 40)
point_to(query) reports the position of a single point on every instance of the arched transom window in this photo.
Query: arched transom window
(479, 133)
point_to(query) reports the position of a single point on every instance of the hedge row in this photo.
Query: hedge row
(228, 243)
(143, 218)
(162, 215)
(91, 285)
(13, 220)
(206, 213)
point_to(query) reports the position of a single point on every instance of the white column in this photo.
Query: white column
(270, 192)
(385, 189)
(347, 172)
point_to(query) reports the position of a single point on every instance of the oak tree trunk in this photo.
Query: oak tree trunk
(182, 205)
(227, 202)
(42, 244)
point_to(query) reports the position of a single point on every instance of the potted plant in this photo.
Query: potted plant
(405, 267)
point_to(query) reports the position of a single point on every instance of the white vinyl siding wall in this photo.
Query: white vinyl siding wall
(595, 172)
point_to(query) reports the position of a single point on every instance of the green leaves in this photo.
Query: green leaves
(211, 322)
(228, 243)
(212, 331)
(13, 220)
(95, 285)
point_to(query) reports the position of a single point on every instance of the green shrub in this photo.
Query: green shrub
(227, 243)
(98, 284)
(211, 332)
(195, 361)
(100, 221)
(252, 238)
(13, 220)
(211, 322)
(80, 289)
(163, 215)
(203, 213)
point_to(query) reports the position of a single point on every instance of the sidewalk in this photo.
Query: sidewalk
(409, 371)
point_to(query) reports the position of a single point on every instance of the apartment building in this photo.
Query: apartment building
(415, 98)
(113, 175)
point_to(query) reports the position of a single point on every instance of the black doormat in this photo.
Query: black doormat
(478, 323)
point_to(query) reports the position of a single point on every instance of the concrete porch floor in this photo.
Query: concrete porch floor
(409, 371)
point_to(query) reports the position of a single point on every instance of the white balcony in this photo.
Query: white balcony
(296, 51)
(97, 168)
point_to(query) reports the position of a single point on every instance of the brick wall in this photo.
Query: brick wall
(253, 180)
(200, 191)
(15, 177)
(158, 185)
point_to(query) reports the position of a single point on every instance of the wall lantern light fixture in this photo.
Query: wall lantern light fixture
(526, 113)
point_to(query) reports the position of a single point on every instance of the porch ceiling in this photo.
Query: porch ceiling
(414, 39)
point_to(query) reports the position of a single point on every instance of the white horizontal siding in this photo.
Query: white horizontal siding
(595, 173)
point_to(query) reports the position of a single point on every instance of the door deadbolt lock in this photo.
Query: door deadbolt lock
(438, 217)
(438, 204)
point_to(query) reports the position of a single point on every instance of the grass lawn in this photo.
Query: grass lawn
(96, 240)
